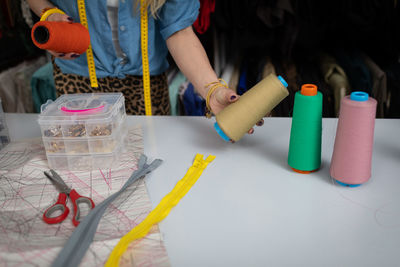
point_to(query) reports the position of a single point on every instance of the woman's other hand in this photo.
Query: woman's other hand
(222, 97)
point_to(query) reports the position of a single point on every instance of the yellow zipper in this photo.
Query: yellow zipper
(162, 210)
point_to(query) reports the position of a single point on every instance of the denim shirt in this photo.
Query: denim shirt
(175, 15)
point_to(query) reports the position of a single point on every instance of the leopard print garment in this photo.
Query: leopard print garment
(130, 86)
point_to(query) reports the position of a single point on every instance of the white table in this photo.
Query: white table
(249, 209)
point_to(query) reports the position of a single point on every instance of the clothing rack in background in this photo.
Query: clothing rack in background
(19, 59)
(341, 46)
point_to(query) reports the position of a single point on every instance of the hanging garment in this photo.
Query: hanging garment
(216, 53)
(16, 44)
(393, 85)
(249, 74)
(15, 88)
(335, 77)
(7, 10)
(26, 13)
(242, 83)
(43, 87)
(228, 72)
(174, 92)
(379, 87)
(279, 16)
(288, 70)
(369, 25)
(203, 20)
(238, 19)
(234, 80)
(193, 103)
(223, 56)
(265, 68)
(356, 70)
(268, 68)
(171, 73)
(309, 72)
(181, 93)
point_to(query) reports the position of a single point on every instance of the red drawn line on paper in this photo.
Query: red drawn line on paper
(105, 179)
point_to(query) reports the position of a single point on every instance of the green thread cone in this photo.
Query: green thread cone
(305, 135)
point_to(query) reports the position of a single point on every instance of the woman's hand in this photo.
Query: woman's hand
(222, 97)
(65, 18)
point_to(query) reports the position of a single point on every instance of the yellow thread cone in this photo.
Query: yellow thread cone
(236, 119)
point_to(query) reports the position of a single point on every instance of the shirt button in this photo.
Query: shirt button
(123, 61)
(122, 28)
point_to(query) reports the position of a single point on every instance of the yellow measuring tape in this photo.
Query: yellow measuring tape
(144, 48)
(89, 51)
(162, 210)
(145, 56)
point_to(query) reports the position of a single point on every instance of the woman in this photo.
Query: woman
(114, 28)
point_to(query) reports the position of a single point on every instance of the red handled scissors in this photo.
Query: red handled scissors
(61, 204)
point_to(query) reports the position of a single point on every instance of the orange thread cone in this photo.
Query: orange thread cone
(62, 37)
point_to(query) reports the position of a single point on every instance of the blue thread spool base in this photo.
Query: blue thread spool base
(347, 185)
(221, 133)
(359, 96)
(283, 81)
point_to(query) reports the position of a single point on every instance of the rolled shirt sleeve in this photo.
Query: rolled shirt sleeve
(176, 15)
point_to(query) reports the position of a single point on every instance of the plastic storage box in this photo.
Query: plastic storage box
(83, 131)
(4, 137)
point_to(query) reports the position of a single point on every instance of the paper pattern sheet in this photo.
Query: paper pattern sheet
(25, 193)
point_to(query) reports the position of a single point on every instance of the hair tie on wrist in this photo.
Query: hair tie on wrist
(214, 85)
(46, 12)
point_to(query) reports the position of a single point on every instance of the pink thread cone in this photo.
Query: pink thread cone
(352, 153)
